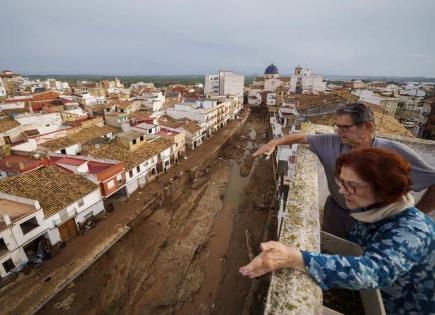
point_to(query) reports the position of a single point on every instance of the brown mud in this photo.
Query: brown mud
(184, 257)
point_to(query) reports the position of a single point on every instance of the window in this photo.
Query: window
(7, 139)
(80, 203)
(138, 169)
(141, 138)
(29, 225)
(90, 214)
(130, 173)
(8, 265)
(119, 179)
(3, 247)
(110, 184)
(134, 141)
(63, 151)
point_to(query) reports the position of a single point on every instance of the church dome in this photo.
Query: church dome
(271, 69)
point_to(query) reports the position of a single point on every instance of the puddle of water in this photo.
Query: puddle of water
(250, 145)
(235, 186)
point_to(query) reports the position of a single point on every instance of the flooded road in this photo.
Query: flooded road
(184, 259)
(215, 256)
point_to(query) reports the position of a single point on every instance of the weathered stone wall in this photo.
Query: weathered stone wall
(425, 148)
(291, 291)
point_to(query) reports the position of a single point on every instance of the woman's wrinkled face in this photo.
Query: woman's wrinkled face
(356, 192)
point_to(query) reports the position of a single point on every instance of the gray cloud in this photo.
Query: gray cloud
(371, 37)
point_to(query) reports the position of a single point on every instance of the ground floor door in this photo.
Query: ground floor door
(142, 181)
(132, 186)
(68, 230)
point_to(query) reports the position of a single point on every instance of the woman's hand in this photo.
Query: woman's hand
(274, 256)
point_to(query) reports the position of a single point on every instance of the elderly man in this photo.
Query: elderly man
(355, 129)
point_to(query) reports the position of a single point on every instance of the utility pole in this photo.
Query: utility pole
(412, 109)
(382, 117)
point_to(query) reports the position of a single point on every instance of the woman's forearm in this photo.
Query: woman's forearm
(274, 256)
(297, 260)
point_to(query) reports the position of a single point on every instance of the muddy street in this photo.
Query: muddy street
(184, 257)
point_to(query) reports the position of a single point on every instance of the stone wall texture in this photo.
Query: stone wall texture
(291, 291)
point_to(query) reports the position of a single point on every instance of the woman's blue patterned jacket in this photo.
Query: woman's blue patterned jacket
(399, 258)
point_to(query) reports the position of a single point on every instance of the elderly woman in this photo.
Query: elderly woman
(398, 240)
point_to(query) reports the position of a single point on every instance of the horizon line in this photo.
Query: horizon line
(200, 74)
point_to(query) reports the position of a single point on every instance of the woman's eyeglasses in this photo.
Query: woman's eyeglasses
(349, 187)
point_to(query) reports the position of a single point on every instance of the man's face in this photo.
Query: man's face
(347, 131)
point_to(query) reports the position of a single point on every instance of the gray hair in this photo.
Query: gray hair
(359, 112)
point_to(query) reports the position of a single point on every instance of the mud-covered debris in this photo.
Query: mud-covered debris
(250, 244)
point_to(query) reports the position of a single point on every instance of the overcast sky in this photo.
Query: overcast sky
(348, 37)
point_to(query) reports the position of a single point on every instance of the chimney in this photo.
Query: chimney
(7, 219)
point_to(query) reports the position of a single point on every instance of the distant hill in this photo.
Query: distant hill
(159, 80)
(379, 78)
(337, 77)
(164, 80)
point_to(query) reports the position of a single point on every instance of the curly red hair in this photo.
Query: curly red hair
(385, 170)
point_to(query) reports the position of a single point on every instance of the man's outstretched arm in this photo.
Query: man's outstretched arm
(268, 148)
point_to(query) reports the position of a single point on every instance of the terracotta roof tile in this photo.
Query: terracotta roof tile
(131, 159)
(58, 144)
(141, 114)
(54, 188)
(389, 125)
(20, 163)
(191, 126)
(88, 134)
(7, 124)
(81, 137)
(123, 104)
(184, 123)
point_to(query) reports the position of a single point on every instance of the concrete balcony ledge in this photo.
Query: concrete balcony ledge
(291, 291)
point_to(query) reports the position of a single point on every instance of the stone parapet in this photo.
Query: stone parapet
(424, 148)
(291, 291)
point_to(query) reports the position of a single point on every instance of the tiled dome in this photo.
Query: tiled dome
(271, 69)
